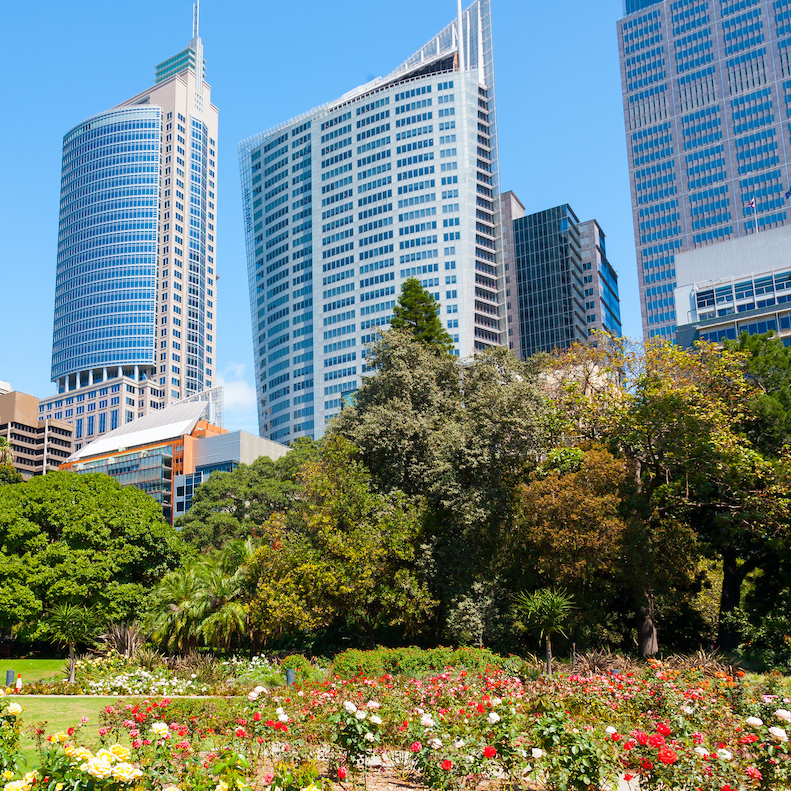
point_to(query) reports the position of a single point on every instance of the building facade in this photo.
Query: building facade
(398, 178)
(135, 290)
(600, 282)
(706, 101)
(38, 445)
(743, 285)
(550, 312)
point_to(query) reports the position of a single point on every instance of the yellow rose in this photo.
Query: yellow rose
(121, 753)
(59, 737)
(14, 709)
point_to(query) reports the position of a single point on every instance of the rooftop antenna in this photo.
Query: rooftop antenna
(195, 19)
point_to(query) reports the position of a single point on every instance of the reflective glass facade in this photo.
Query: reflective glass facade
(136, 277)
(397, 179)
(550, 281)
(707, 96)
(600, 281)
(105, 292)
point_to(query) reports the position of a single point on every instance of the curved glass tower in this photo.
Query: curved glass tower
(105, 293)
(136, 281)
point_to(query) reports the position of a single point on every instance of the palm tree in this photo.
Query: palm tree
(546, 611)
(224, 614)
(68, 624)
(6, 452)
(173, 619)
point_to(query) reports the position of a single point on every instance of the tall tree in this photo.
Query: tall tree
(416, 311)
(67, 624)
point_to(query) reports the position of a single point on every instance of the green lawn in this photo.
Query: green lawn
(60, 714)
(32, 669)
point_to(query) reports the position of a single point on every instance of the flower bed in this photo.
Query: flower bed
(660, 728)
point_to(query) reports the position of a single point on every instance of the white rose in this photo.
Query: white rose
(360, 714)
(427, 721)
(369, 737)
(702, 751)
(372, 704)
(376, 720)
(537, 752)
(496, 701)
(435, 744)
(724, 755)
(688, 710)
(283, 717)
(252, 695)
(458, 744)
(783, 714)
(259, 690)
(755, 722)
(609, 730)
(779, 734)
(279, 710)
(14, 709)
(350, 707)
(493, 717)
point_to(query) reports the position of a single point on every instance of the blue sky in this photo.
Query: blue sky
(559, 115)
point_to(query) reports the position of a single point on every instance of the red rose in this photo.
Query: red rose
(415, 747)
(666, 755)
(342, 773)
(656, 740)
(489, 752)
(257, 716)
(447, 765)
(663, 729)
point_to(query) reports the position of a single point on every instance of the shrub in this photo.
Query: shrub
(413, 661)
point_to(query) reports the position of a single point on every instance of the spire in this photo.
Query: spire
(196, 19)
(190, 58)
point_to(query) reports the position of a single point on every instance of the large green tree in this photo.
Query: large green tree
(417, 312)
(233, 505)
(82, 539)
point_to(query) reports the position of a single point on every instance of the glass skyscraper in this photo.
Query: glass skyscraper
(136, 274)
(707, 97)
(398, 178)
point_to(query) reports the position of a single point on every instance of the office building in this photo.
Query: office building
(398, 178)
(38, 445)
(706, 101)
(602, 303)
(743, 285)
(169, 452)
(135, 299)
(559, 285)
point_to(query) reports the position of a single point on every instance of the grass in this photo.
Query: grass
(33, 669)
(60, 714)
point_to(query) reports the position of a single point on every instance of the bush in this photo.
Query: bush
(413, 661)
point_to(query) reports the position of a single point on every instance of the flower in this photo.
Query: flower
(755, 722)
(666, 755)
(360, 714)
(416, 747)
(779, 734)
(702, 751)
(369, 737)
(427, 721)
(489, 751)
(435, 744)
(753, 773)
(493, 718)
(126, 773)
(663, 728)
(447, 765)
(160, 730)
(376, 720)
(14, 709)
(342, 772)
(537, 752)
(372, 704)
(99, 768)
(609, 730)
(724, 755)
(783, 714)
(282, 717)
(350, 707)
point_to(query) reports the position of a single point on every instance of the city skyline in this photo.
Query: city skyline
(528, 164)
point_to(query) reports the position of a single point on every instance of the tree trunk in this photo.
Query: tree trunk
(549, 656)
(649, 644)
(72, 664)
(733, 575)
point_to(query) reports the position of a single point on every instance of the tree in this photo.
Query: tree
(546, 611)
(67, 624)
(79, 538)
(348, 553)
(461, 436)
(767, 420)
(233, 505)
(6, 452)
(9, 475)
(416, 312)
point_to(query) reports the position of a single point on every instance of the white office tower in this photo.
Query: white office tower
(396, 179)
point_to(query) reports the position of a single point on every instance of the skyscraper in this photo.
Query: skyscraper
(398, 178)
(136, 274)
(706, 100)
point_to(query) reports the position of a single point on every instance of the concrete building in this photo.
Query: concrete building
(397, 178)
(38, 445)
(135, 290)
(705, 102)
(168, 452)
(559, 285)
(743, 285)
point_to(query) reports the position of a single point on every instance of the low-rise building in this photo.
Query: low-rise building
(169, 452)
(38, 444)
